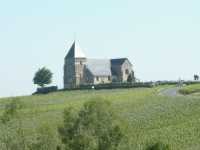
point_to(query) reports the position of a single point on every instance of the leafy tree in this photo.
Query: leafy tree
(129, 79)
(96, 127)
(158, 146)
(47, 138)
(196, 77)
(12, 109)
(13, 118)
(43, 76)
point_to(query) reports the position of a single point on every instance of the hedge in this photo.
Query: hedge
(116, 85)
(46, 90)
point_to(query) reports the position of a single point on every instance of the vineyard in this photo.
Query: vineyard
(173, 120)
(190, 89)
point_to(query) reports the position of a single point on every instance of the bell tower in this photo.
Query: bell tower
(75, 66)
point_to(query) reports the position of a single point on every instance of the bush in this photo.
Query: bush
(114, 80)
(129, 79)
(113, 85)
(46, 90)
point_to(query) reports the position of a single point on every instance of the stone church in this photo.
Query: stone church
(78, 69)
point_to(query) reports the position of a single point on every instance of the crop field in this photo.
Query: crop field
(190, 89)
(173, 120)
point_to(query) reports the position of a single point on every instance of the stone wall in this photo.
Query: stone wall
(75, 71)
(118, 70)
(126, 69)
(90, 76)
(102, 79)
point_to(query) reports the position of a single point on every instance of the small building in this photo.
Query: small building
(136, 80)
(78, 69)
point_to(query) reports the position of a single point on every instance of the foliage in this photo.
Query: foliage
(196, 77)
(114, 80)
(12, 109)
(190, 89)
(175, 83)
(46, 139)
(43, 76)
(46, 90)
(112, 85)
(129, 79)
(13, 116)
(96, 126)
(158, 146)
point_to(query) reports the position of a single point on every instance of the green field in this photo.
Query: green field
(173, 120)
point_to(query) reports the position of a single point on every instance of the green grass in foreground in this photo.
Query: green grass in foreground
(173, 120)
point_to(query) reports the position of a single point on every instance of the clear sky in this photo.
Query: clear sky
(161, 38)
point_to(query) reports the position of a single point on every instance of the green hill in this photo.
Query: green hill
(173, 120)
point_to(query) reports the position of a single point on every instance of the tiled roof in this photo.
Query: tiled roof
(100, 67)
(75, 52)
(118, 61)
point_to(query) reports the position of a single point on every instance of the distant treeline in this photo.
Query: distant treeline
(175, 83)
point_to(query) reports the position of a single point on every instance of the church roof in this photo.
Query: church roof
(100, 67)
(118, 61)
(75, 52)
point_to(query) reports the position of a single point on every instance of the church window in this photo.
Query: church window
(126, 71)
(81, 62)
(108, 78)
(97, 78)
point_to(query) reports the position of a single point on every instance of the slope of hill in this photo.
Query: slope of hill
(173, 120)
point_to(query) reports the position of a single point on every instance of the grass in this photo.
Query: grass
(190, 89)
(173, 120)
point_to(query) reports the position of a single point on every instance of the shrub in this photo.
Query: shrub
(129, 79)
(114, 80)
(46, 90)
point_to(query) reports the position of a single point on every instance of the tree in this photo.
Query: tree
(12, 119)
(43, 76)
(196, 77)
(114, 80)
(96, 126)
(129, 79)
(46, 138)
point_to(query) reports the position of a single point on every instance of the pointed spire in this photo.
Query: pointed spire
(75, 52)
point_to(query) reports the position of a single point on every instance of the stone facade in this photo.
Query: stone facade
(78, 69)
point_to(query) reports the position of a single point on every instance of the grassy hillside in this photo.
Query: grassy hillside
(173, 120)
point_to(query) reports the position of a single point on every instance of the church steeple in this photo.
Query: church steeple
(75, 52)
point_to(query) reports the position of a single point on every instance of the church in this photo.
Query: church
(78, 69)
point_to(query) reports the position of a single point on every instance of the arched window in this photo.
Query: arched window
(126, 71)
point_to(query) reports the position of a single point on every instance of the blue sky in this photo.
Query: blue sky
(160, 38)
